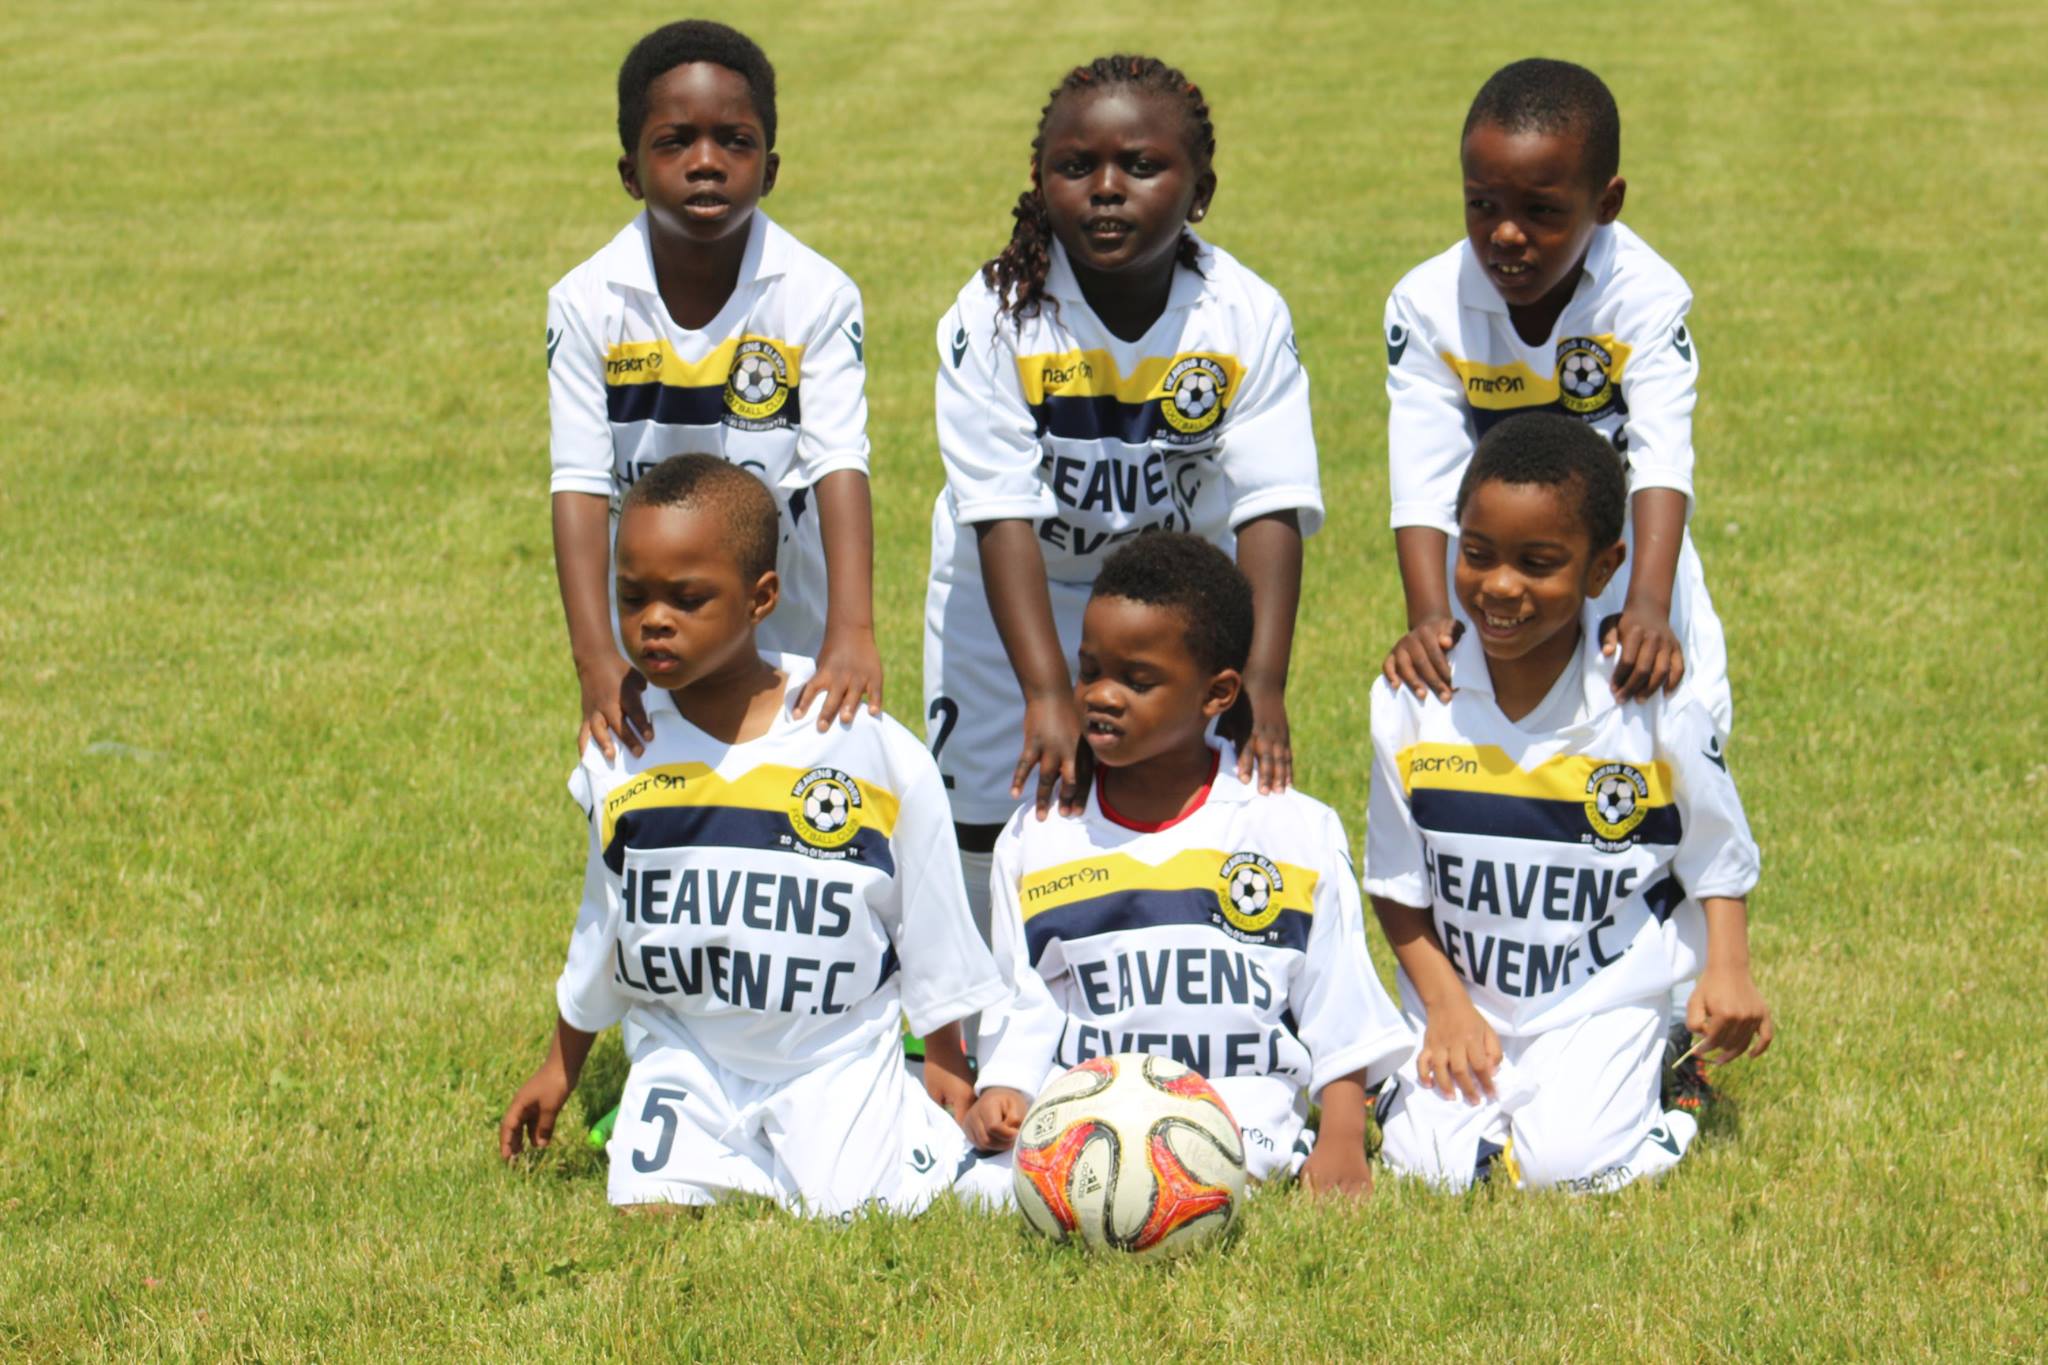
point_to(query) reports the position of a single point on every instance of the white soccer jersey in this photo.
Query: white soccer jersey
(1200, 425)
(778, 904)
(1620, 359)
(774, 383)
(1552, 862)
(1230, 939)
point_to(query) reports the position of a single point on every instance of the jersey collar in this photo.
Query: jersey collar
(1187, 285)
(1476, 291)
(628, 260)
(1222, 786)
(1469, 672)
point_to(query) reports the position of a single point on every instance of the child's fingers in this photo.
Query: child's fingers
(1675, 672)
(633, 709)
(1437, 670)
(599, 729)
(1764, 1034)
(508, 1134)
(544, 1127)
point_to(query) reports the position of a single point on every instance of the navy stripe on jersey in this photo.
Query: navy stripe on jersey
(1441, 810)
(1485, 419)
(675, 406)
(730, 827)
(1663, 897)
(1120, 910)
(1092, 419)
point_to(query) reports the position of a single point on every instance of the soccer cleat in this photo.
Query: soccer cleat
(1685, 1086)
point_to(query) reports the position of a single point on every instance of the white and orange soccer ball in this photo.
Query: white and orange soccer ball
(1133, 1152)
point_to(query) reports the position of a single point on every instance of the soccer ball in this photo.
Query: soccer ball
(825, 807)
(1582, 376)
(1249, 890)
(753, 379)
(1133, 1153)
(1196, 394)
(1615, 799)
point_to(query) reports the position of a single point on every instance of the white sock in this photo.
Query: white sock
(975, 868)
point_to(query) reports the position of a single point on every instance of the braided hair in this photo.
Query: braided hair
(1017, 273)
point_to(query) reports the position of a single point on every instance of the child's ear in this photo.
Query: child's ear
(1610, 200)
(1223, 691)
(1603, 568)
(629, 176)
(767, 592)
(773, 166)
(1205, 191)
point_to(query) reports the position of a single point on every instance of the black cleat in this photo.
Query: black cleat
(1685, 1085)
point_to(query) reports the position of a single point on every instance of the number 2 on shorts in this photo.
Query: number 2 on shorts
(657, 1110)
(946, 712)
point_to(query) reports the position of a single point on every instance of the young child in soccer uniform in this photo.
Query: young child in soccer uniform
(1550, 304)
(1529, 840)
(1108, 374)
(763, 902)
(705, 327)
(1181, 912)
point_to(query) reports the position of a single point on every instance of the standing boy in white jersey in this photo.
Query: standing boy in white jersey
(763, 901)
(1107, 374)
(1550, 303)
(703, 326)
(1181, 912)
(1529, 840)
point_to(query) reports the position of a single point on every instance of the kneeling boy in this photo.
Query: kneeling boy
(764, 902)
(1181, 912)
(1529, 840)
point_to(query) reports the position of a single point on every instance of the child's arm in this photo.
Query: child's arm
(611, 689)
(1420, 660)
(849, 666)
(1013, 571)
(947, 1078)
(1726, 1007)
(1269, 553)
(1338, 1162)
(1020, 1039)
(530, 1118)
(1652, 659)
(1459, 1050)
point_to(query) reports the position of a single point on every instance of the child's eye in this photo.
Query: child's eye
(1478, 206)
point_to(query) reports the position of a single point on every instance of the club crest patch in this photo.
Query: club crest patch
(824, 808)
(1249, 893)
(758, 385)
(1194, 390)
(1617, 799)
(1585, 376)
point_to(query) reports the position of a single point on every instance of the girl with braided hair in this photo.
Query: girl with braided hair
(1109, 373)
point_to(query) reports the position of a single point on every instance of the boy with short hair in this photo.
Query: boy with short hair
(764, 903)
(1551, 304)
(704, 326)
(1529, 840)
(1182, 912)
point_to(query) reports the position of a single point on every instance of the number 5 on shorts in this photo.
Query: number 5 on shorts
(657, 1110)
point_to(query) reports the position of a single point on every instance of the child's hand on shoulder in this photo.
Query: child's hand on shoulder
(1421, 661)
(993, 1120)
(1269, 748)
(849, 670)
(612, 710)
(1460, 1052)
(1648, 656)
(1052, 750)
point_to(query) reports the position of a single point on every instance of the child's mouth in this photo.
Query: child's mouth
(1503, 625)
(659, 661)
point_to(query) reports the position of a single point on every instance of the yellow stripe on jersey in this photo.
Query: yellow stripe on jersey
(1194, 869)
(1504, 388)
(657, 362)
(770, 786)
(1487, 768)
(1094, 374)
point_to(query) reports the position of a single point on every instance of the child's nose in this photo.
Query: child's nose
(1508, 233)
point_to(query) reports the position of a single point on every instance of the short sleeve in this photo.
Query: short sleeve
(1020, 1041)
(1269, 445)
(947, 973)
(1660, 386)
(579, 424)
(1717, 855)
(988, 438)
(1395, 864)
(1429, 427)
(834, 431)
(585, 994)
(1342, 1013)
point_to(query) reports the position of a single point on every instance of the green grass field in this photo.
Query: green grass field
(286, 867)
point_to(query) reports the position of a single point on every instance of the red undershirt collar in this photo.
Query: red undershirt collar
(1110, 814)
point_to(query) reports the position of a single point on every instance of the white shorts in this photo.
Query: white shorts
(1693, 621)
(1277, 1139)
(855, 1134)
(1576, 1108)
(973, 707)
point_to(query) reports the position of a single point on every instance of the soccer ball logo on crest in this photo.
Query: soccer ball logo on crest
(1194, 390)
(758, 385)
(1584, 375)
(1251, 892)
(827, 807)
(1617, 799)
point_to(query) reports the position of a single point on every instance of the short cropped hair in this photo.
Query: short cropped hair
(1551, 450)
(1540, 95)
(739, 500)
(1186, 575)
(679, 44)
